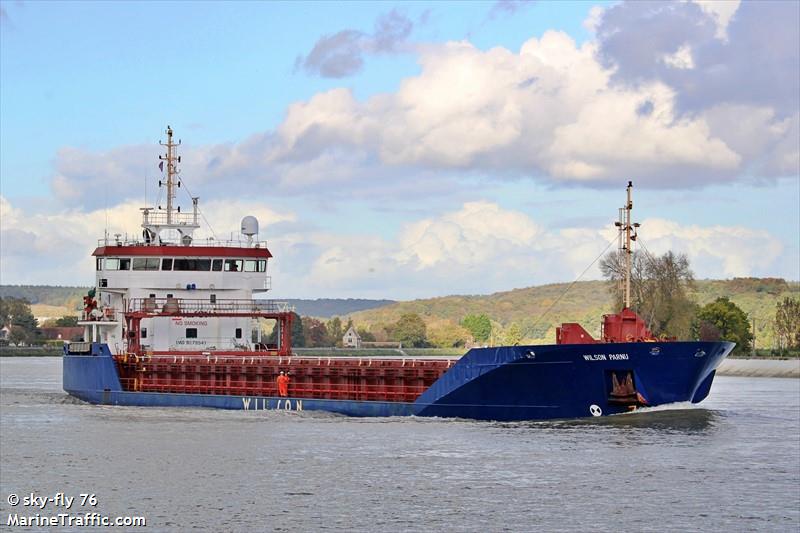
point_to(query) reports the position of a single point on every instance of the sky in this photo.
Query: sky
(409, 149)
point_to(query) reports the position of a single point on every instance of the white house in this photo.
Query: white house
(351, 339)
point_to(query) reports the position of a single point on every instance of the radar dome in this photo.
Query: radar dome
(249, 226)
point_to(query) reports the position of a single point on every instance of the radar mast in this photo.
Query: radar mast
(154, 220)
(627, 234)
(172, 170)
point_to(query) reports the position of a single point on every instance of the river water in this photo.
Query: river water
(731, 464)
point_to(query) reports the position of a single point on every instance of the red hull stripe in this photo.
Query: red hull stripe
(180, 251)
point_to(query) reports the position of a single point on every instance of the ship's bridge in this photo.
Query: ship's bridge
(189, 268)
(165, 261)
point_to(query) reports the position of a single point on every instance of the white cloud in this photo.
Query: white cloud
(761, 138)
(478, 248)
(55, 248)
(482, 247)
(551, 109)
(681, 59)
(592, 21)
(611, 138)
(722, 11)
(731, 250)
(477, 233)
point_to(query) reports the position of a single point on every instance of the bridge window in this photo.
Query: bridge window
(99, 263)
(197, 265)
(216, 265)
(166, 264)
(233, 265)
(251, 265)
(191, 333)
(144, 263)
(262, 265)
(116, 263)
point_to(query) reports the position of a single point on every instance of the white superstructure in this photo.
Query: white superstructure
(169, 272)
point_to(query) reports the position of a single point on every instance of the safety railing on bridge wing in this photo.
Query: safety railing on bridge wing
(176, 306)
(123, 240)
(105, 314)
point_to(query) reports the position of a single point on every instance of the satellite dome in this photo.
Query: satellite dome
(249, 226)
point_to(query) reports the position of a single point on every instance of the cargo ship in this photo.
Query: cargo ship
(172, 322)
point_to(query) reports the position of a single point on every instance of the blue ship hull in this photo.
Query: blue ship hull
(506, 383)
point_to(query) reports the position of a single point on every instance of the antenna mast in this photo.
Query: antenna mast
(172, 161)
(173, 220)
(627, 229)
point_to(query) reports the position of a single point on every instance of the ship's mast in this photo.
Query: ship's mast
(155, 221)
(620, 223)
(629, 230)
(172, 159)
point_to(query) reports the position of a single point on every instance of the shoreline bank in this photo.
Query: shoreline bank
(760, 368)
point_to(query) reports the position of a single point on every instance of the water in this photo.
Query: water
(731, 465)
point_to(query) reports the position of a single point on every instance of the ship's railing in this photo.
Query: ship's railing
(177, 306)
(160, 218)
(204, 354)
(125, 240)
(106, 314)
(244, 387)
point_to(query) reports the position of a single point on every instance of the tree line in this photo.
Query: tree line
(22, 326)
(661, 289)
(410, 330)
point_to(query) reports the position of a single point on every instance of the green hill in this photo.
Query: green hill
(56, 301)
(47, 296)
(330, 307)
(585, 303)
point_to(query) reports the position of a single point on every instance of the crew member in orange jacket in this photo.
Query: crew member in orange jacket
(283, 384)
